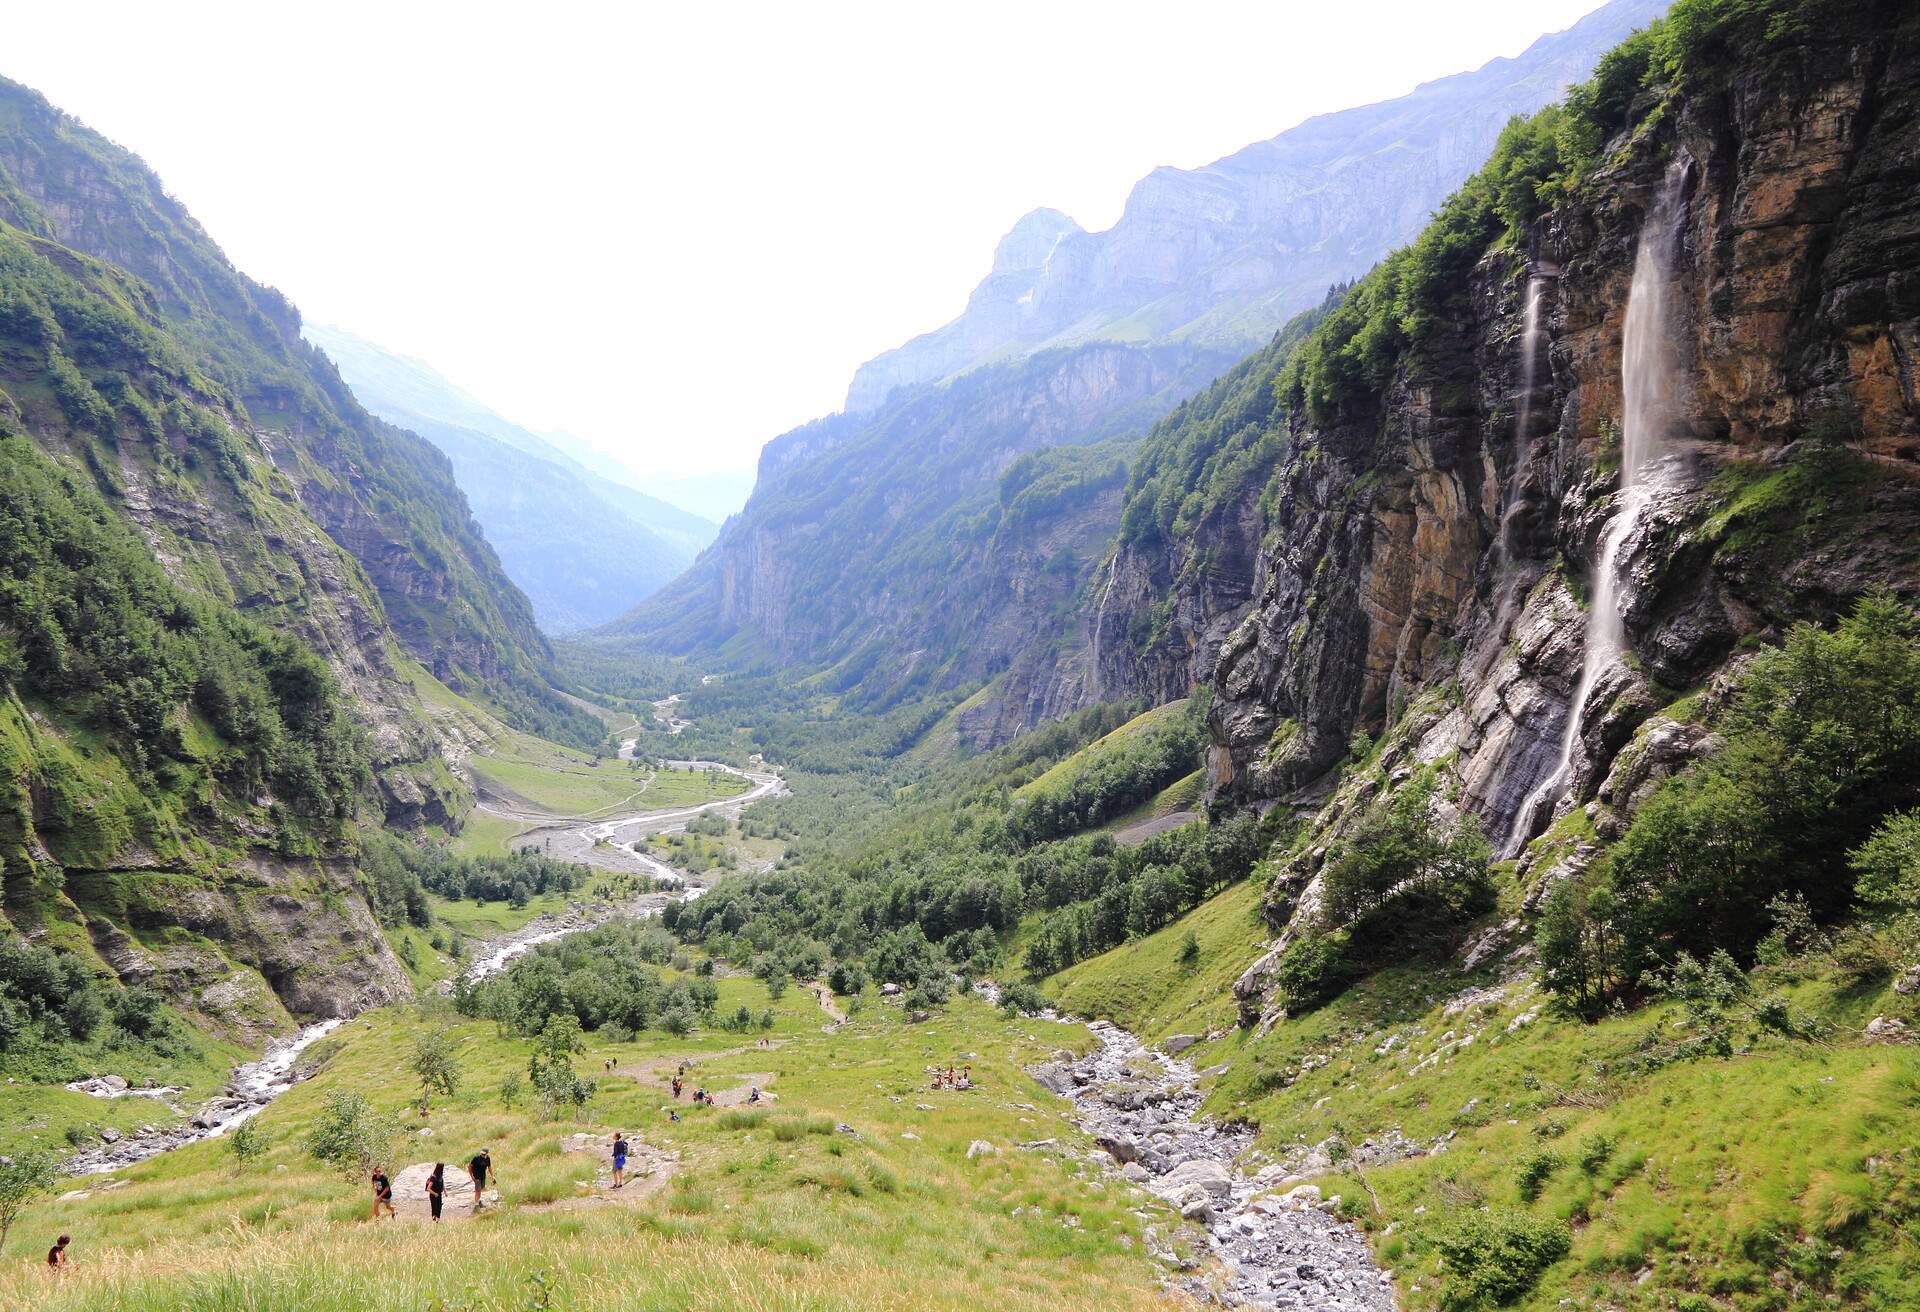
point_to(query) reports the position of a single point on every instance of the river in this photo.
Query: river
(605, 842)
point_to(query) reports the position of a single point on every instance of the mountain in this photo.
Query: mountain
(1513, 520)
(220, 572)
(612, 546)
(922, 546)
(1222, 256)
(831, 567)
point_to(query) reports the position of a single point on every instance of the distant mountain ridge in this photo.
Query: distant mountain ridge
(1222, 256)
(581, 544)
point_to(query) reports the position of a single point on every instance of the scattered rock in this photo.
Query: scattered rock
(980, 1148)
(1146, 1105)
(1909, 981)
(1887, 1029)
(1175, 1044)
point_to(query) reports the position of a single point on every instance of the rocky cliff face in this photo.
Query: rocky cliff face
(1226, 254)
(1423, 575)
(881, 545)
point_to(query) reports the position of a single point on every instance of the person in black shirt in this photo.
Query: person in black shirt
(382, 1193)
(437, 1189)
(479, 1168)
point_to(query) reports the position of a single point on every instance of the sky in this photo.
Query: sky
(676, 230)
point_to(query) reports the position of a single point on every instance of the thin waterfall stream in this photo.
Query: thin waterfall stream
(1649, 378)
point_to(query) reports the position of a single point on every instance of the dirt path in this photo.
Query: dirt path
(824, 996)
(410, 1194)
(648, 1171)
(661, 1069)
(1141, 830)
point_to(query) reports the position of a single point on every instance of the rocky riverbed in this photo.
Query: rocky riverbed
(1278, 1247)
(254, 1084)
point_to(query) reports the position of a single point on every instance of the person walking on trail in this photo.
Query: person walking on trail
(479, 1168)
(382, 1193)
(677, 1087)
(619, 1159)
(57, 1255)
(437, 1189)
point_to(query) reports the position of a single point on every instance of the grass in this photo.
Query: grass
(1180, 795)
(486, 835)
(1065, 772)
(1779, 1178)
(1147, 987)
(774, 1210)
(492, 919)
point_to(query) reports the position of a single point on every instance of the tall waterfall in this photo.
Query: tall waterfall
(1648, 381)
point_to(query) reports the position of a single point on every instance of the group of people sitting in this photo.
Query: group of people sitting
(479, 1168)
(951, 1079)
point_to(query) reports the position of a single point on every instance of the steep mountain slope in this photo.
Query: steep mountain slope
(217, 567)
(910, 549)
(1540, 483)
(384, 495)
(582, 547)
(1222, 256)
(831, 565)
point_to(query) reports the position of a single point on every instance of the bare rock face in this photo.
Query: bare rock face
(1422, 577)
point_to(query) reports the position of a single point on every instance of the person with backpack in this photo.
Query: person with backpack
(57, 1255)
(479, 1168)
(619, 1159)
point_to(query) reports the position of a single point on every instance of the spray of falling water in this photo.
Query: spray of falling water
(1648, 379)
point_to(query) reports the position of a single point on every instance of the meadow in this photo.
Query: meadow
(852, 1189)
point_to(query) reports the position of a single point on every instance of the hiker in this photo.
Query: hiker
(479, 1168)
(677, 1086)
(619, 1159)
(753, 1094)
(382, 1193)
(437, 1189)
(609, 1065)
(57, 1255)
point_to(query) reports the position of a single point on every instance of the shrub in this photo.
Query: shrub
(1495, 1256)
(247, 1143)
(351, 1136)
(1821, 747)
(1313, 970)
(1534, 1170)
(1022, 998)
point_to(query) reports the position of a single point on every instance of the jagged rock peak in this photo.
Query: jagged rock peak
(1030, 241)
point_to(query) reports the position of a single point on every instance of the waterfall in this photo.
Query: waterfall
(1648, 382)
(1529, 359)
(1100, 620)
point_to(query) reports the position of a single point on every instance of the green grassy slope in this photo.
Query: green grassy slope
(773, 1209)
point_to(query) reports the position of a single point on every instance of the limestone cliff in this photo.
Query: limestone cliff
(1425, 546)
(889, 547)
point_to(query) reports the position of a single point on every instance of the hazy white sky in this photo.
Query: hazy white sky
(676, 230)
